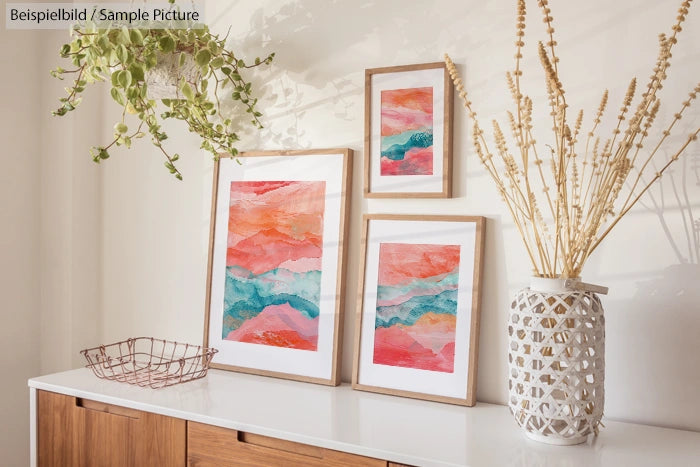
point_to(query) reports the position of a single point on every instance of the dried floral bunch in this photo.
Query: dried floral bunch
(584, 182)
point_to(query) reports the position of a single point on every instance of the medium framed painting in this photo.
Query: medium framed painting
(276, 282)
(418, 317)
(408, 132)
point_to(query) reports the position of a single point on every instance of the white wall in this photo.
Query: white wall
(155, 229)
(123, 246)
(19, 238)
(50, 229)
(70, 245)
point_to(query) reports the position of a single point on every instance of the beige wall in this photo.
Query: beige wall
(93, 254)
(70, 218)
(19, 241)
(50, 236)
(155, 229)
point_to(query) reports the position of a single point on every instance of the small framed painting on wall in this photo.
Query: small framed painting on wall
(418, 317)
(408, 132)
(276, 283)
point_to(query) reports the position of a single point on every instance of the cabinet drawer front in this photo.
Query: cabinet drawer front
(80, 432)
(209, 446)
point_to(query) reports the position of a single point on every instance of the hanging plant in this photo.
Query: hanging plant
(203, 75)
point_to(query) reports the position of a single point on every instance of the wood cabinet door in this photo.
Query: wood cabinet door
(211, 446)
(85, 433)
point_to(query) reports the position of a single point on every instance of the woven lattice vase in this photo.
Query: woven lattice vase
(556, 362)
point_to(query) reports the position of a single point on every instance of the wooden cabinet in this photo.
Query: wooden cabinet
(78, 432)
(211, 446)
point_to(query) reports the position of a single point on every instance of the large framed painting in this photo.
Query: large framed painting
(418, 317)
(408, 132)
(276, 280)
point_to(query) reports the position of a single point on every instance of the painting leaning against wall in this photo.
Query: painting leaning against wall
(418, 317)
(275, 284)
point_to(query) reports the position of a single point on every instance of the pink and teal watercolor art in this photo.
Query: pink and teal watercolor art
(273, 263)
(417, 306)
(407, 132)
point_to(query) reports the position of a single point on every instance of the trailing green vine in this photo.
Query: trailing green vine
(126, 56)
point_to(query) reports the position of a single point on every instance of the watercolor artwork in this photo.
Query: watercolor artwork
(407, 131)
(273, 263)
(416, 311)
(418, 319)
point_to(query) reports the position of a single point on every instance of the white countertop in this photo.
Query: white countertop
(402, 430)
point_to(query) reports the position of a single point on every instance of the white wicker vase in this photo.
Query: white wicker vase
(556, 362)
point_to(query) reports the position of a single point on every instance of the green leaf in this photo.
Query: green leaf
(117, 96)
(103, 154)
(217, 62)
(183, 58)
(187, 91)
(203, 85)
(65, 49)
(150, 60)
(122, 53)
(166, 44)
(104, 44)
(137, 72)
(136, 36)
(125, 36)
(226, 70)
(202, 57)
(121, 128)
(124, 78)
(115, 78)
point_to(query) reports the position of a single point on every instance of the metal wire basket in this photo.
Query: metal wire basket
(145, 361)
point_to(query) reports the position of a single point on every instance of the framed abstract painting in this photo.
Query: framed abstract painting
(418, 318)
(276, 281)
(408, 132)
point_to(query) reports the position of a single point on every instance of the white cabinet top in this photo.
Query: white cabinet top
(402, 430)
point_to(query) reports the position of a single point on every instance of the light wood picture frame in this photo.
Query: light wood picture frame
(408, 132)
(417, 325)
(277, 255)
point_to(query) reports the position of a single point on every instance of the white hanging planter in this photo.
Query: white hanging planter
(556, 362)
(164, 78)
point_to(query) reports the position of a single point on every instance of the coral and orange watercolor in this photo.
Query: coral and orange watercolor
(273, 263)
(416, 308)
(407, 131)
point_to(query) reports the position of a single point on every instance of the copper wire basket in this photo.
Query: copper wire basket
(145, 361)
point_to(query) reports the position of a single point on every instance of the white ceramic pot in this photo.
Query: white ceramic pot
(556, 362)
(163, 79)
